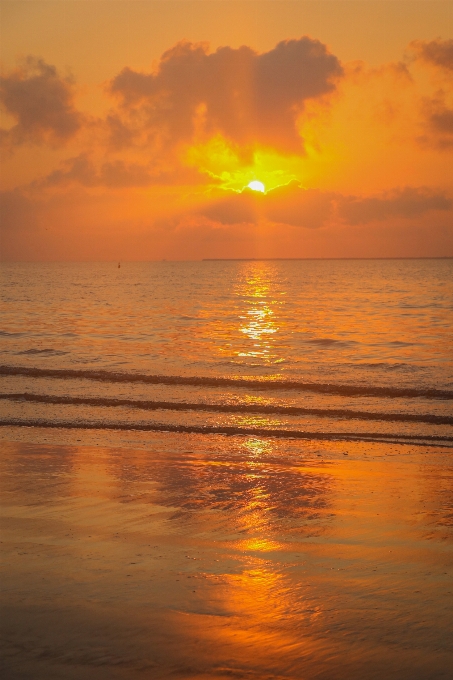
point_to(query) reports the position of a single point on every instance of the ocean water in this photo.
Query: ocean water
(298, 349)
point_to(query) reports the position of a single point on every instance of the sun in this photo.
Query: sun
(256, 186)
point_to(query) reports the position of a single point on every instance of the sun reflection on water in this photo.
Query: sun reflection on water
(258, 319)
(257, 447)
(259, 545)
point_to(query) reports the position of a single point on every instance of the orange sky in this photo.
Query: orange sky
(130, 130)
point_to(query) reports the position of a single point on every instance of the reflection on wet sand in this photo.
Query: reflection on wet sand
(241, 558)
(439, 500)
(251, 491)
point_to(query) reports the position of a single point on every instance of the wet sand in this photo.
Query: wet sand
(212, 557)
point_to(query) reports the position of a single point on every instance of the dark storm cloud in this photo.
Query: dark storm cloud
(408, 202)
(41, 103)
(437, 52)
(247, 97)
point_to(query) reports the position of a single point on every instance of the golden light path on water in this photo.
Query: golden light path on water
(257, 322)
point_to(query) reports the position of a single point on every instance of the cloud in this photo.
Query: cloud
(120, 136)
(289, 204)
(308, 208)
(249, 98)
(234, 209)
(442, 121)
(408, 202)
(44, 225)
(82, 170)
(115, 174)
(436, 109)
(293, 205)
(79, 169)
(437, 52)
(437, 122)
(41, 103)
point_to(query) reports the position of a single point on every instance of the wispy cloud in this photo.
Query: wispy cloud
(437, 53)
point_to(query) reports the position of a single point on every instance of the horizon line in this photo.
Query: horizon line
(259, 259)
(230, 259)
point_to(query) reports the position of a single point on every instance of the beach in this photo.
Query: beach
(193, 556)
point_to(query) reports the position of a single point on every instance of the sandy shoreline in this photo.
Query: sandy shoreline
(208, 557)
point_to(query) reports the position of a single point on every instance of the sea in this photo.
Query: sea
(344, 350)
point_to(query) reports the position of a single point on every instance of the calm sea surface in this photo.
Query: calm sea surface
(353, 349)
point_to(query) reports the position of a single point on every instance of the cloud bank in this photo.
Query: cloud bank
(249, 98)
(311, 208)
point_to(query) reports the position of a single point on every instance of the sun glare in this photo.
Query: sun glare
(256, 186)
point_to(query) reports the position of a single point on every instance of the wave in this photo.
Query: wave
(387, 366)
(250, 383)
(433, 440)
(328, 342)
(45, 352)
(152, 405)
